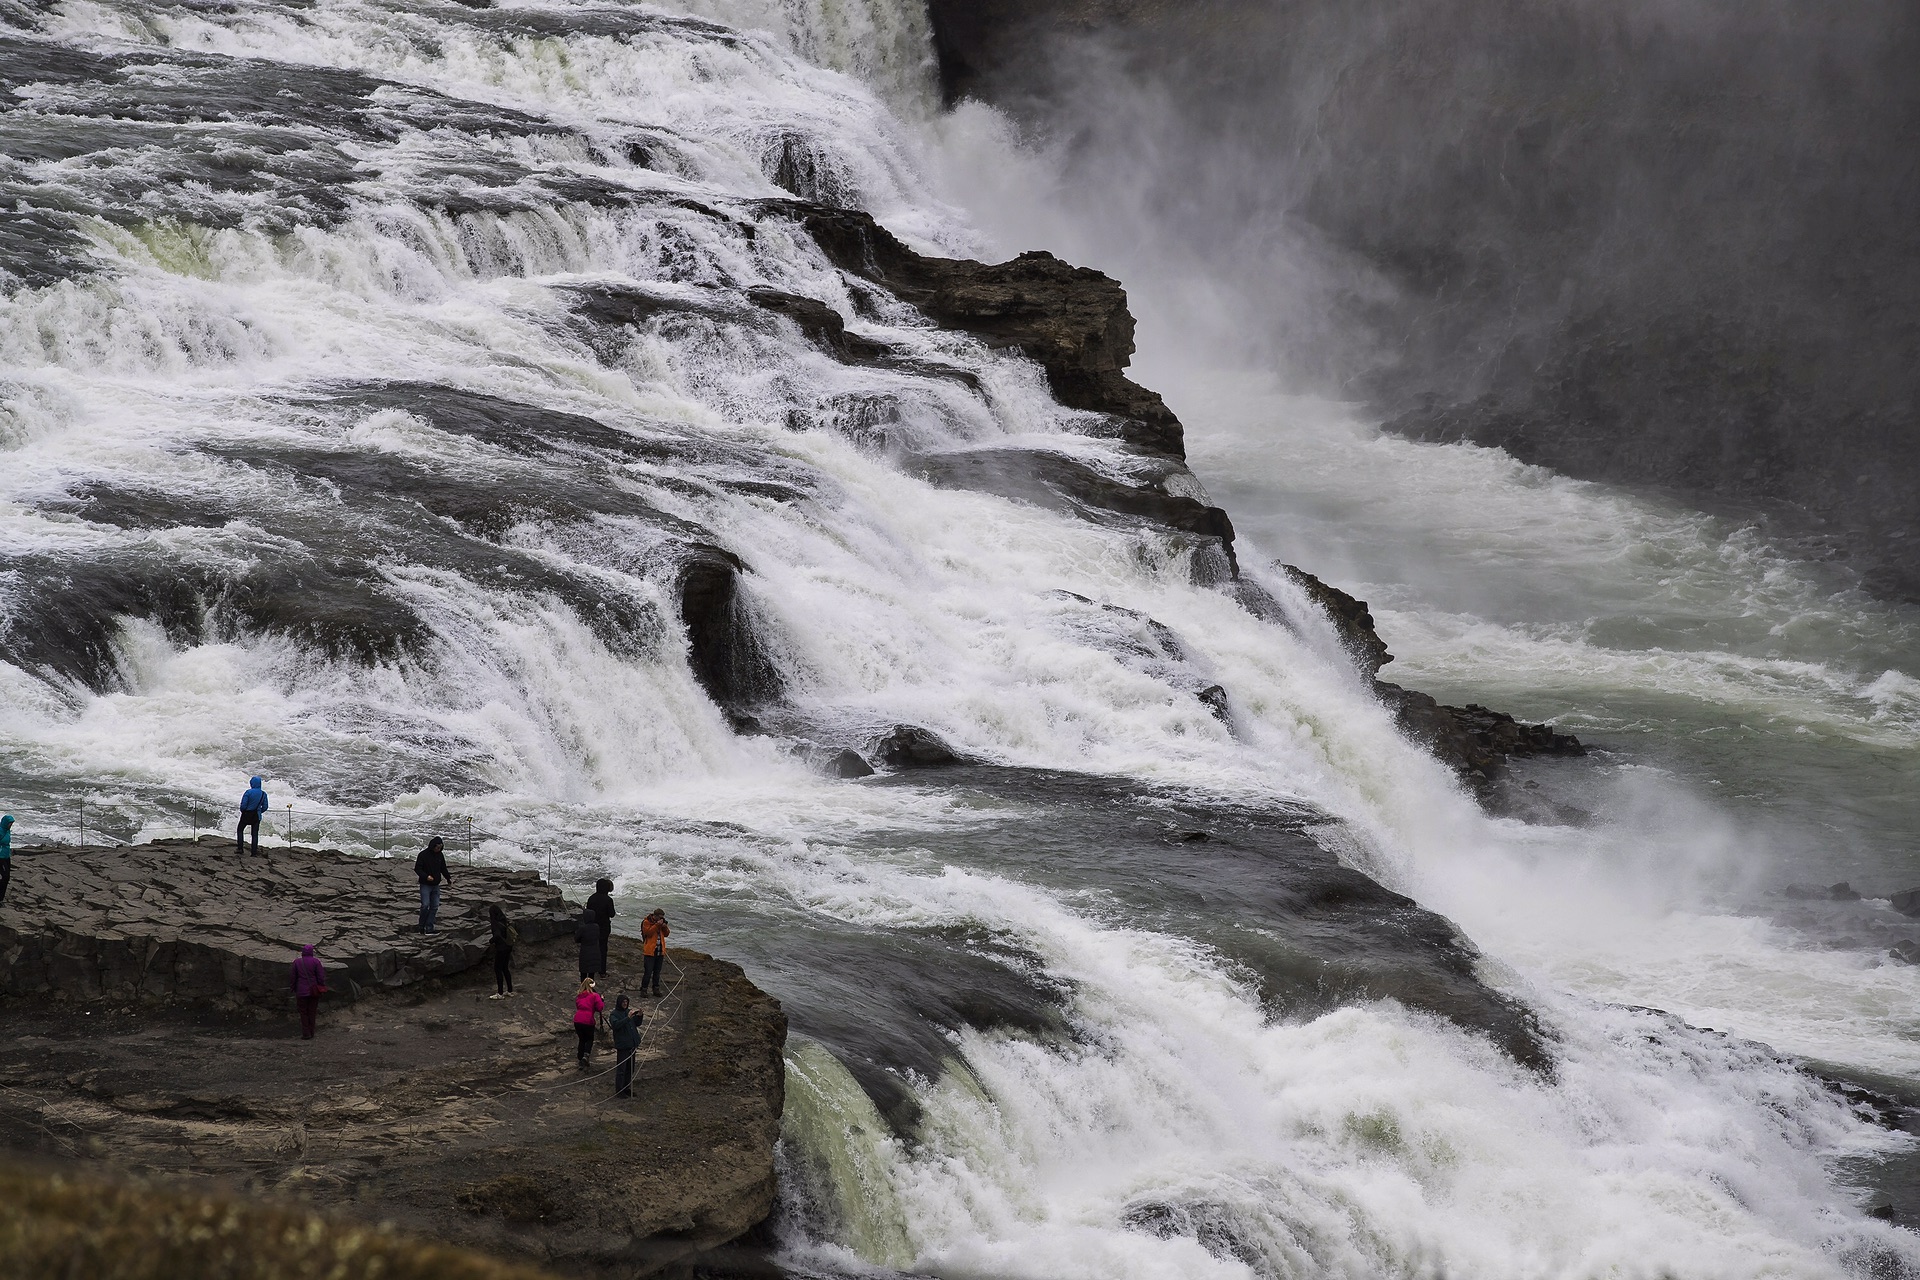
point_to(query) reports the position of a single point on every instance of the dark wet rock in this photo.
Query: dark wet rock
(1472, 739)
(1261, 890)
(1219, 1228)
(1072, 321)
(850, 764)
(1214, 699)
(1475, 741)
(319, 568)
(1842, 892)
(1062, 483)
(1907, 902)
(1351, 619)
(907, 746)
(1143, 644)
(822, 325)
(1907, 952)
(725, 652)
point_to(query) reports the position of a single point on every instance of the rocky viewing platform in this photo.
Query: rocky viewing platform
(151, 1033)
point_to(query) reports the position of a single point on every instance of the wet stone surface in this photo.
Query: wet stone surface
(423, 1101)
(192, 923)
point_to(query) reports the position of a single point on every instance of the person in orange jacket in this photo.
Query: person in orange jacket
(653, 947)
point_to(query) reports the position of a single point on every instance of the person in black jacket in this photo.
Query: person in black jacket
(586, 932)
(431, 867)
(504, 936)
(601, 904)
(625, 1024)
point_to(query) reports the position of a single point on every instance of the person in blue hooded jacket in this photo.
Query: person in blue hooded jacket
(6, 854)
(253, 805)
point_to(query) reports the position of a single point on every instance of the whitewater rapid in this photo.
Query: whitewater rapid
(1159, 1114)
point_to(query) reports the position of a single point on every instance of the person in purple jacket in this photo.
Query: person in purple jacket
(309, 984)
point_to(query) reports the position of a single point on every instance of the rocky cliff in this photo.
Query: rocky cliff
(421, 1102)
(1075, 324)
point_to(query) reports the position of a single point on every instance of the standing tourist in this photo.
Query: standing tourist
(625, 1023)
(653, 947)
(309, 982)
(253, 807)
(504, 936)
(587, 1007)
(601, 904)
(431, 867)
(586, 932)
(6, 854)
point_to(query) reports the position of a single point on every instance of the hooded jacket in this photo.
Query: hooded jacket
(6, 836)
(601, 904)
(653, 935)
(431, 866)
(586, 932)
(309, 975)
(255, 799)
(625, 1025)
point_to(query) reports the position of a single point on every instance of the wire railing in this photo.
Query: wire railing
(377, 832)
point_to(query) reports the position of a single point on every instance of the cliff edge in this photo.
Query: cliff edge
(421, 1103)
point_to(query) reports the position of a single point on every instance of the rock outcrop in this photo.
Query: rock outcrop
(1474, 740)
(422, 1102)
(180, 922)
(1072, 321)
(723, 647)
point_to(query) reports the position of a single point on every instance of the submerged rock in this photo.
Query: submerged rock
(908, 746)
(851, 764)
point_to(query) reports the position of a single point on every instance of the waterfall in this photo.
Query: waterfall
(449, 408)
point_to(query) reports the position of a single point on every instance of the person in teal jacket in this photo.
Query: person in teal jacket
(6, 854)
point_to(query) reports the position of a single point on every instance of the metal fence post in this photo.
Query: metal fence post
(289, 826)
(83, 826)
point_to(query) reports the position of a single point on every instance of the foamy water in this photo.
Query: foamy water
(1174, 1123)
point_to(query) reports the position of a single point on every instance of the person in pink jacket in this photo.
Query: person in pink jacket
(587, 1007)
(309, 981)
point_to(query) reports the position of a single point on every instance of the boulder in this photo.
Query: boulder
(725, 654)
(1907, 902)
(908, 746)
(850, 764)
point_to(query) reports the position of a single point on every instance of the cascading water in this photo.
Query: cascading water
(375, 373)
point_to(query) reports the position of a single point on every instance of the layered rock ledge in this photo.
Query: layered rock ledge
(422, 1103)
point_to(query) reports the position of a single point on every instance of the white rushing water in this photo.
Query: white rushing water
(1175, 1125)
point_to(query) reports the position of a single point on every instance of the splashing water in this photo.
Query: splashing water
(306, 406)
